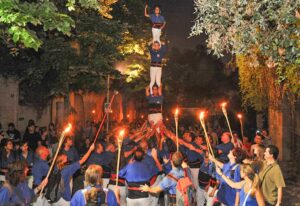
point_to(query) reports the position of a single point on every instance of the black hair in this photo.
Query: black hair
(11, 124)
(273, 150)
(139, 154)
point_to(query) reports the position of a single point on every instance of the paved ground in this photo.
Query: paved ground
(291, 194)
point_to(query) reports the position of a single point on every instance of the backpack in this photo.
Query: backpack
(185, 190)
(55, 187)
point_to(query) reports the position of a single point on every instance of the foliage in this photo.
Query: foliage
(269, 28)
(20, 20)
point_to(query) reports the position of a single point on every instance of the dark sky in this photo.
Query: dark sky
(179, 15)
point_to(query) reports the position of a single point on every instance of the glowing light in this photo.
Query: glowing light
(121, 133)
(142, 116)
(68, 128)
(167, 119)
(93, 111)
(176, 112)
(201, 115)
(127, 115)
(239, 116)
(224, 104)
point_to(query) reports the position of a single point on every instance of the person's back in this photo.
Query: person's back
(246, 199)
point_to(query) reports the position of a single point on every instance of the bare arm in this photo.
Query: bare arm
(154, 190)
(147, 91)
(279, 196)
(259, 197)
(237, 198)
(160, 90)
(218, 163)
(236, 185)
(146, 11)
(87, 154)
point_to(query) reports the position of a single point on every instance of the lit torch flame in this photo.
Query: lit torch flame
(239, 116)
(93, 112)
(223, 105)
(176, 112)
(68, 128)
(201, 116)
(121, 135)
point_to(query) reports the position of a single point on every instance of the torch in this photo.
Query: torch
(120, 140)
(223, 105)
(201, 116)
(60, 143)
(240, 117)
(176, 126)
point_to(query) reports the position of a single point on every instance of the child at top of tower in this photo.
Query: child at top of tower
(158, 22)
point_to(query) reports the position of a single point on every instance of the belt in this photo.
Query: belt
(106, 174)
(113, 179)
(172, 199)
(156, 64)
(195, 164)
(157, 25)
(134, 191)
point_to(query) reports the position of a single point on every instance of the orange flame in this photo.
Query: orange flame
(176, 112)
(201, 116)
(224, 104)
(68, 128)
(94, 111)
(239, 116)
(121, 133)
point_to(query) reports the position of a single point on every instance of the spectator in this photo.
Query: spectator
(32, 137)
(12, 132)
(224, 148)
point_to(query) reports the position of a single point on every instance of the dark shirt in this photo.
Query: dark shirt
(15, 134)
(158, 55)
(154, 104)
(32, 140)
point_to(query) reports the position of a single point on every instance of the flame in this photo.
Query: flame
(176, 111)
(223, 104)
(239, 116)
(121, 133)
(94, 111)
(201, 116)
(68, 128)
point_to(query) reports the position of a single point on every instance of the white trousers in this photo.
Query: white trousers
(210, 200)
(155, 76)
(155, 118)
(138, 202)
(156, 33)
(105, 182)
(153, 198)
(199, 195)
(61, 202)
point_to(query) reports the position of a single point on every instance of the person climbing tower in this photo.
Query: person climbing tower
(157, 51)
(155, 102)
(158, 22)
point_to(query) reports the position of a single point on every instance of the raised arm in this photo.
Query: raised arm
(217, 163)
(146, 11)
(236, 185)
(87, 154)
(147, 91)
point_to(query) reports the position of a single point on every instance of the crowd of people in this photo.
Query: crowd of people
(238, 172)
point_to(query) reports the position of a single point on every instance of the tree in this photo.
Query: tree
(263, 35)
(20, 19)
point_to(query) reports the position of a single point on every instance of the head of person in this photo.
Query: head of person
(24, 146)
(177, 159)
(93, 177)
(155, 90)
(42, 152)
(11, 126)
(199, 140)
(139, 154)
(17, 173)
(157, 10)
(99, 148)
(51, 126)
(271, 153)
(171, 146)
(264, 132)
(225, 138)
(259, 152)
(144, 146)
(237, 155)
(246, 140)
(8, 145)
(61, 161)
(31, 127)
(248, 172)
(188, 137)
(258, 139)
(111, 147)
(69, 141)
(235, 135)
(156, 45)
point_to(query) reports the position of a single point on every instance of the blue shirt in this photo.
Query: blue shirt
(105, 158)
(226, 194)
(5, 161)
(72, 154)
(29, 159)
(66, 173)
(26, 195)
(158, 55)
(168, 184)
(137, 172)
(251, 201)
(225, 148)
(157, 19)
(78, 198)
(39, 170)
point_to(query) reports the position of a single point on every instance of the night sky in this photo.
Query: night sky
(179, 15)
